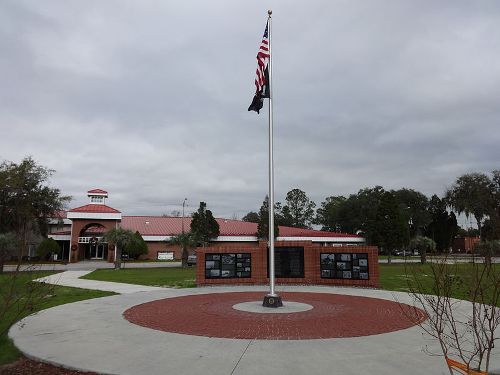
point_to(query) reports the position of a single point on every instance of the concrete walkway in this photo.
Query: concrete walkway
(89, 265)
(72, 278)
(93, 335)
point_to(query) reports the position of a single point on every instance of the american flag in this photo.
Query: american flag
(262, 76)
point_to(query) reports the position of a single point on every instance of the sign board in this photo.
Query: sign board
(344, 266)
(165, 255)
(234, 265)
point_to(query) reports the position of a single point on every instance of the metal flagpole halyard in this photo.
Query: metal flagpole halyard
(272, 299)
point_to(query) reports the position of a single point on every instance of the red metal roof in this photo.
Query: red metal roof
(97, 208)
(60, 215)
(97, 191)
(60, 233)
(95, 230)
(167, 226)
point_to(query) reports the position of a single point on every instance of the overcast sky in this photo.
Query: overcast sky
(148, 99)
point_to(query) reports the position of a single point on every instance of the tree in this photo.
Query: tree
(26, 202)
(8, 245)
(298, 210)
(136, 247)
(328, 214)
(391, 229)
(263, 223)
(423, 245)
(186, 241)
(121, 238)
(251, 217)
(175, 213)
(493, 224)
(203, 225)
(415, 207)
(465, 330)
(472, 194)
(487, 249)
(357, 214)
(469, 232)
(47, 247)
(443, 226)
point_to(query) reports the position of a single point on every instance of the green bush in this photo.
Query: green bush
(47, 247)
(136, 247)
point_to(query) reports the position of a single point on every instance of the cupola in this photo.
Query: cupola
(97, 196)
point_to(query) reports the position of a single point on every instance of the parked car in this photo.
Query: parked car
(191, 260)
(405, 253)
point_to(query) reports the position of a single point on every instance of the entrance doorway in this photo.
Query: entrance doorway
(97, 251)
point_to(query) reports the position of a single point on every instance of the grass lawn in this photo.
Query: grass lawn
(169, 277)
(392, 276)
(396, 276)
(56, 295)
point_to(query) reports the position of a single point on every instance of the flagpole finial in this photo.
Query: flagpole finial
(269, 12)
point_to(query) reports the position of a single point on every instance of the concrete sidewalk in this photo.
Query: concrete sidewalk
(88, 265)
(93, 335)
(72, 278)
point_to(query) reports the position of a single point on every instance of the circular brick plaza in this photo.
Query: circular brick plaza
(332, 316)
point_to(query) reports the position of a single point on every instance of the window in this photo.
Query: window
(94, 199)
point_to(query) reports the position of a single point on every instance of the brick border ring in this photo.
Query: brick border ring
(332, 316)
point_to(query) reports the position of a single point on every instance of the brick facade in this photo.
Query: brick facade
(77, 252)
(312, 274)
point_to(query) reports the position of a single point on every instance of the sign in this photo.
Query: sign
(165, 255)
(352, 266)
(234, 265)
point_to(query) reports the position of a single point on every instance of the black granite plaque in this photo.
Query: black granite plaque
(227, 266)
(288, 262)
(351, 266)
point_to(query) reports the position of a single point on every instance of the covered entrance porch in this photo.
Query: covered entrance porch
(91, 243)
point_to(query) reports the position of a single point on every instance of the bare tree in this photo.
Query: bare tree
(20, 296)
(464, 329)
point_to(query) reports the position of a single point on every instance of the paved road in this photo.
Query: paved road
(449, 260)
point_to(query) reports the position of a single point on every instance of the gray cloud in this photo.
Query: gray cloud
(148, 99)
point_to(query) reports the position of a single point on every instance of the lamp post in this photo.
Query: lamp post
(183, 206)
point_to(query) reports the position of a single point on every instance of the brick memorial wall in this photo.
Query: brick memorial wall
(297, 262)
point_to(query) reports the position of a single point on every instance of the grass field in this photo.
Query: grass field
(168, 277)
(56, 295)
(392, 276)
(397, 277)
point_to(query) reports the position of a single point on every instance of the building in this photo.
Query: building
(464, 244)
(303, 256)
(79, 231)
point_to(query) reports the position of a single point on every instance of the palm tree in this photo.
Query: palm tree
(187, 241)
(120, 238)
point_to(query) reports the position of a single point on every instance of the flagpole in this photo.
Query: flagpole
(272, 299)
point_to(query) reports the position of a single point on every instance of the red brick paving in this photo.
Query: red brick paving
(332, 316)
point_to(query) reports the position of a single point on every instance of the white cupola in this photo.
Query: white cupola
(97, 196)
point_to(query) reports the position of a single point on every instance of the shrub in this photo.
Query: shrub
(47, 247)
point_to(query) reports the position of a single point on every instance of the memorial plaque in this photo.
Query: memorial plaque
(225, 265)
(352, 266)
(288, 262)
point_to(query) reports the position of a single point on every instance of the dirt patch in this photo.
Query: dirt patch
(26, 366)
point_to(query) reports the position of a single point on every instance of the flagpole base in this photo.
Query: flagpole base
(272, 301)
